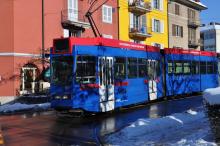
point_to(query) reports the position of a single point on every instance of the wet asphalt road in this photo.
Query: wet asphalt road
(47, 129)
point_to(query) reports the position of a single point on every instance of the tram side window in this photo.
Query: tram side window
(142, 68)
(157, 64)
(195, 67)
(132, 68)
(120, 68)
(170, 67)
(210, 69)
(86, 69)
(215, 67)
(186, 68)
(203, 67)
(178, 67)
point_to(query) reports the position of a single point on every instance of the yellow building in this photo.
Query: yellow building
(144, 21)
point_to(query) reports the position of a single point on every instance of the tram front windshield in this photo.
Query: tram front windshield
(62, 68)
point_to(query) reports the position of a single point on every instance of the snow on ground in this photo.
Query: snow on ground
(212, 96)
(19, 106)
(180, 129)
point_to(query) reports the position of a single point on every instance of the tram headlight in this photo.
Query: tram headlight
(65, 97)
(57, 97)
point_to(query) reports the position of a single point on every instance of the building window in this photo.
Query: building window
(158, 45)
(107, 14)
(107, 36)
(177, 9)
(192, 34)
(157, 26)
(158, 4)
(138, 23)
(209, 35)
(73, 10)
(177, 30)
(191, 14)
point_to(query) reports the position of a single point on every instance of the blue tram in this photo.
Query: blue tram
(189, 71)
(100, 75)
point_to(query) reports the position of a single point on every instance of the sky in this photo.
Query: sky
(212, 14)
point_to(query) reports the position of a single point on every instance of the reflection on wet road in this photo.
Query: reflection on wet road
(47, 129)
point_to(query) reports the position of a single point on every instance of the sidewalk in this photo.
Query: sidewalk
(40, 102)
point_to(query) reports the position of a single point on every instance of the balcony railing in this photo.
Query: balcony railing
(194, 43)
(139, 7)
(194, 23)
(140, 33)
(74, 19)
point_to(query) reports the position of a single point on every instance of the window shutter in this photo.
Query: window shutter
(103, 13)
(181, 31)
(152, 24)
(162, 26)
(131, 20)
(161, 5)
(173, 30)
(110, 14)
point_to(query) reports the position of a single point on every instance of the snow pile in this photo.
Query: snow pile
(212, 96)
(19, 107)
(189, 128)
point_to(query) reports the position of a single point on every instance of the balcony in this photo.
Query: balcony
(193, 23)
(139, 7)
(74, 20)
(194, 43)
(140, 33)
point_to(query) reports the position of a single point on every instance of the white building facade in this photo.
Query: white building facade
(211, 37)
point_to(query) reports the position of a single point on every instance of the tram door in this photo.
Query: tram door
(152, 83)
(106, 83)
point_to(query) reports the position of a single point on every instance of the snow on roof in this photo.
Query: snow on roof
(198, 3)
(212, 96)
(210, 27)
(168, 130)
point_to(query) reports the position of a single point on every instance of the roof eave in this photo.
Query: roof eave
(192, 4)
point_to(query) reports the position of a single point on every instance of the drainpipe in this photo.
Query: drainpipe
(118, 9)
(168, 23)
(43, 45)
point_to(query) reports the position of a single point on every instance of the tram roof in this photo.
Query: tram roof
(188, 52)
(112, 43)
